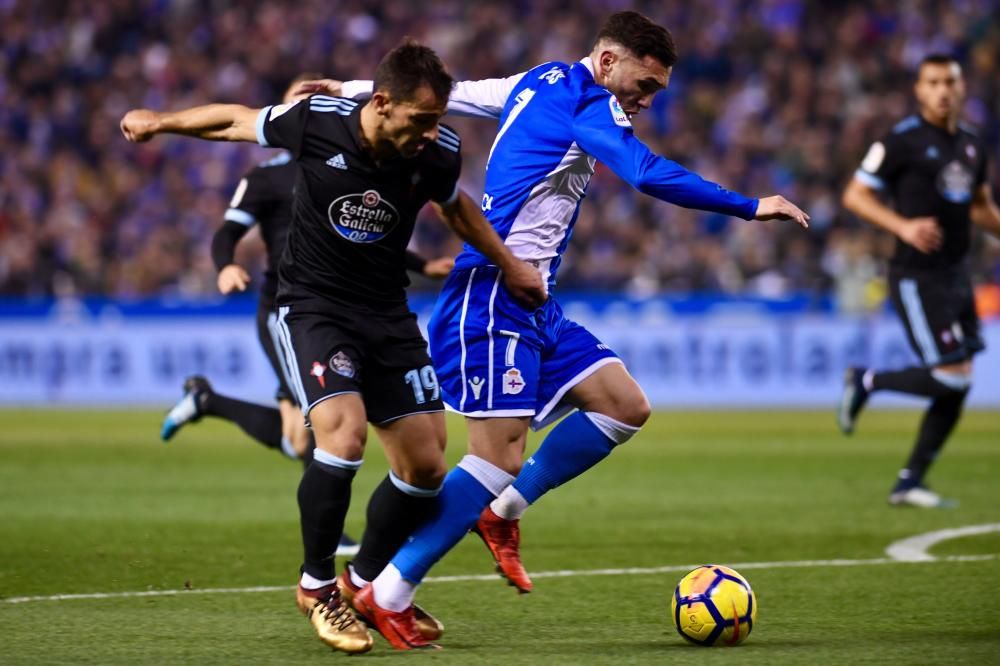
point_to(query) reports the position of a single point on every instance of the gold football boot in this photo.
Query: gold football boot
(333, 619)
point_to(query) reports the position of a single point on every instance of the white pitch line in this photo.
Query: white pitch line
(914, 548)
(638, 571)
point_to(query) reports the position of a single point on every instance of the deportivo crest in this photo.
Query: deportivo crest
(318, 370)
(363, 217)
(618, 113)
(513, 383)
(341, 364)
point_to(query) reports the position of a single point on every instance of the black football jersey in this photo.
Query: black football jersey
(264, 197)
(352, 217)
(929, 172)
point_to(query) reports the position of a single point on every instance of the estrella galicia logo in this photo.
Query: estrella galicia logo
(363, 218)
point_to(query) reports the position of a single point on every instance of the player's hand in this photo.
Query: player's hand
(439, 268)
(325, 86)
(233, 278)
(922, 233)
(780, 208)
(139, 125)
(525, 283)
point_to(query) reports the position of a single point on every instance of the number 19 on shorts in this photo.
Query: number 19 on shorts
(424, 384)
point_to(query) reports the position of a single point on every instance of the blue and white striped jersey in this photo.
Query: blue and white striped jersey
(556, 122)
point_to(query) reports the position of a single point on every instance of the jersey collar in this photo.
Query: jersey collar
(589, 64)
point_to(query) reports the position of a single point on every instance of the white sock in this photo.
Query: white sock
(309, 583)
(492, 477)
(355, 578)
(868, 380)
(392, 591)
(510, 504)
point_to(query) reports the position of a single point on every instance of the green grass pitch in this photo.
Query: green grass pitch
(93, 503)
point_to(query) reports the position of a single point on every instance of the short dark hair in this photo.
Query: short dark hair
(409, 66)
(937, 59)
(640, 36)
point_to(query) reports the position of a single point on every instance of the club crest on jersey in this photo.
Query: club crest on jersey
(513, 383)
(341, 364)
(618, 113)
(318, 370)
(363, 217)
(954, 182)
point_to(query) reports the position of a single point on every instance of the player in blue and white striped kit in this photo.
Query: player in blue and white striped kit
(506, 367)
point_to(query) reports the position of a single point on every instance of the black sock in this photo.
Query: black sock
(260, 422)
(915, 381)
(324, 497)
(939, 420)
(392, 517)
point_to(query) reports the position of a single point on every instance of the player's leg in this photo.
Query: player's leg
(611, 409)
(578, 372)
(467, 490)
(936, 426)
(334, 407)
(406, 498)
(927, 309)
(261, 423)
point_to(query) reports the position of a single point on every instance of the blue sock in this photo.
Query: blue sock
(461, 501)
(573, 447)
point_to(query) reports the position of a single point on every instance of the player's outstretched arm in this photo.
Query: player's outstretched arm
(923, 233)
(473, 99)
(522, 279)
(984, 211)
(215, 122)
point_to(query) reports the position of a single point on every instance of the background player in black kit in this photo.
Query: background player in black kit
(364, 173)
(935, 170)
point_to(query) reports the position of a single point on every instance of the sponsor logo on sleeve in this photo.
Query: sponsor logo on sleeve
(280, 109)
(618, 113)
(873, 160)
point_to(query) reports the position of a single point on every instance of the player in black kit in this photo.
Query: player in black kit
(364, 173)
(935, 170)
(263, 198)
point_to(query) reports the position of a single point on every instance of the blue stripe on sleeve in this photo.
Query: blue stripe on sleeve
(261, 119)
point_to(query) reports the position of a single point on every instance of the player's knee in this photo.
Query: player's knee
(427, 474)
(955, 379)
(631, 408)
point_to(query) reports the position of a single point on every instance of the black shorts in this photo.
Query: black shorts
(938, 310)
(267, 333)
(332, 350)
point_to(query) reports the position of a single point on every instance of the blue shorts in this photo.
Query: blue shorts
(496, 358)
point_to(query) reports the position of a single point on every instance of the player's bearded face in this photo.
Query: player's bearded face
(413, 124)
(940, 88)
(635, 81)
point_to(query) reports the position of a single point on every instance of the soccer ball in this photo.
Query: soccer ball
(714, 605)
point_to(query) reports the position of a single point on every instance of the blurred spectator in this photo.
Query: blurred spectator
(774, 96)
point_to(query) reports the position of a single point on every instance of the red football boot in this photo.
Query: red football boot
(503, 538)
(400, 629)
(430, 627)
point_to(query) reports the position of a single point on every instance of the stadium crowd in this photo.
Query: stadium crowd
(770, 96)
